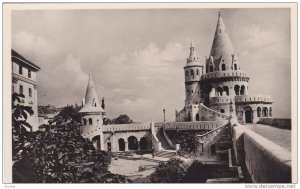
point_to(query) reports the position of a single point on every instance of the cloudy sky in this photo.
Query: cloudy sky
(136, 57)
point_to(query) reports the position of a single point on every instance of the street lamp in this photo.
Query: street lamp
(164, 110)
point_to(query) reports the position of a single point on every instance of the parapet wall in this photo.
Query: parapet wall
(266, 162)
(276, 122)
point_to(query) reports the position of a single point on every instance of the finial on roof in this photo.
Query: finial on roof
(220, 13)
(192, 43)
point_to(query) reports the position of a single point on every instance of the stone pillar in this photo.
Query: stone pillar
(139, 147)
(126, 146)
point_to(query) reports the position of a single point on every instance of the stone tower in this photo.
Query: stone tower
(193, 71)
(92, 116)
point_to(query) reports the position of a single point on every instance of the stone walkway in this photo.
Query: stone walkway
(282, 137)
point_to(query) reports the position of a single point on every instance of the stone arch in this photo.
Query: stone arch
(226, 89)
(84, 121)
(143, 143)
(237, 89)
(132, 143)
(96, 141)
(248, 114)
(197, 117)
(235, 66)
(90, 121)
(242, 90)
(211, 68)
(270, 111)
(186, 73)
(258, 111)
(219, 91)
(213, 149)
(121, 143)
(223, 67)
(265, 112)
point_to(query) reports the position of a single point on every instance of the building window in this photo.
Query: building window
(20, 70)
(90, 121)
(21, 89)
(223, 67)
(211, 69)
(222, 111)
(187, 73)
(29, 73)
(84, 121)
(197, 71)
(30, 92)
(235, 67)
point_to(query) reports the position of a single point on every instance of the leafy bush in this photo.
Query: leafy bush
(169, 172)
(58, 155)
(188, 143)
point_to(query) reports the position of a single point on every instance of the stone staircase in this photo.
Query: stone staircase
(167, 151)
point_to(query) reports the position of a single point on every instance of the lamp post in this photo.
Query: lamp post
(164, 110)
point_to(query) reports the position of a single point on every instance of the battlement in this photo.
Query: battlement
(253, 98)
(226, 74)
(221, 100)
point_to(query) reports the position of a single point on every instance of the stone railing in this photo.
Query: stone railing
(253, 98)
(88, 131)
(222, 74)
(213, 112)
(265, 161)
(276, 122)
(169, 141)
(220, 99)
(126, 127)
(156, 144)
(198, 125)
(204, 137)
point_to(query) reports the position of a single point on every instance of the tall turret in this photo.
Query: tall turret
(92, 116)
(222, 56)
(193, 71)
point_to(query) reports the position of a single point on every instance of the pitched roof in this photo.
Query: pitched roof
(221, 47)
(91, 99)
(20, 59)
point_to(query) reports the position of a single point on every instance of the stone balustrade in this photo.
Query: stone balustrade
(223, 74)
(199, 125)
(213, 112)
(126, 127)
(220, 99)
(253, 98)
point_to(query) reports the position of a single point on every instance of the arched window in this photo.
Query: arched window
(197, 117)
(223, 67)
(211, 69)
(186, 73)
(192, 72)
(197, 71)
(95, 104)
(237, 89)
(226, 89)
(242, 90)
(84, 121)
(258, 111)
(90, 121)
(235, 67)
(219, 91)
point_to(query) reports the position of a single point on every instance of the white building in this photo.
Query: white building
(24, 81)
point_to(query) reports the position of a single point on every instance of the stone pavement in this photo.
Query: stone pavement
(282, 137)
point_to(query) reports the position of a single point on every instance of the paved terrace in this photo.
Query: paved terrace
(282, 137)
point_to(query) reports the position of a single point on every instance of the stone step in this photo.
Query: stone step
(223, 180)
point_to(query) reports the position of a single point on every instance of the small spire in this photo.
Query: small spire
(220, 13)
(192, 43)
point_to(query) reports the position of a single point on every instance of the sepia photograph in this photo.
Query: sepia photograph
(150, 93)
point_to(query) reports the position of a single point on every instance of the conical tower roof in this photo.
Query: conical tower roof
(91, 99)
(221, 47)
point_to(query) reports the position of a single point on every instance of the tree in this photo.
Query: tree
(62, 155)
(21, 130)
(188, 143)
(122, 119)
(170, 172)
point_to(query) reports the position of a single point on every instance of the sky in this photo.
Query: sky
(136, 57)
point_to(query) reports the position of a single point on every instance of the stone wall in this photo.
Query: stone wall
(276, 122)
(266, 162)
